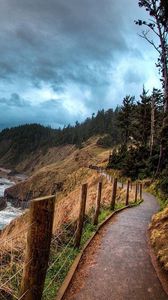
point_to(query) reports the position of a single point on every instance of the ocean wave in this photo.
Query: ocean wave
(10, 212)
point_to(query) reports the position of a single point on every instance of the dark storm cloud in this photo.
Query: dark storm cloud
(73, 46)
(57, 40)
(19, 111)
(14, 101)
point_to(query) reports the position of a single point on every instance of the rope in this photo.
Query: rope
(23, 295)
(12, 237)
(3, 295)
(61, 252)
(59, 234)
(58, 272)
(21, 269)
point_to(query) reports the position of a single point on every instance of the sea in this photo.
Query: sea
(10, 212)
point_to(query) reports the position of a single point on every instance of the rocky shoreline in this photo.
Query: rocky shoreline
(15, 178)
(12, 175)
(9, 208)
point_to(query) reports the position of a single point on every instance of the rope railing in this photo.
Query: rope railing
(19, 271)
(68, 246)
(63, 251)
(62, 229)
(12, 262)
(16, 235)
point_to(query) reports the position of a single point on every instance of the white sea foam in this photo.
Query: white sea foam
(10, 212)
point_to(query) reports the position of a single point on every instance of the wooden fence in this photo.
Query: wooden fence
(40, 233)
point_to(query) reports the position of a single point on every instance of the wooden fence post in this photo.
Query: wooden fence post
(140, 191)
(137, 187)
(37, 248)
(81, 215)
(136, 191)
(98, 200)
(114, 193)
(131, 184)
(127, 193)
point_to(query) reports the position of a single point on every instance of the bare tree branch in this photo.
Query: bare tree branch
(144, 36)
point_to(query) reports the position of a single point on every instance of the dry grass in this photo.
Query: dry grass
(159, 236)
(71, 168)
(58, 163)
(13, 237)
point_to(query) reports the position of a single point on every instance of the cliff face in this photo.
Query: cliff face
(63, 168)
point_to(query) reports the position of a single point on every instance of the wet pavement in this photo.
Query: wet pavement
(118, 265)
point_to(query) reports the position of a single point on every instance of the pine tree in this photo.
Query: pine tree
(142, 119)
(158, 25)
(125, 118)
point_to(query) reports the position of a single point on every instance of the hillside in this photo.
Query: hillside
(60, 169)
(27, 143)
(159, 237)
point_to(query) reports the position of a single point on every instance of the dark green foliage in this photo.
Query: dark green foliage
(164, 12)
(163, 182)
(134, 157)
(105, 141)
(142, 119)
(132, 161)
(22, 140)
(125, 118)
(160, 188)
(135, 162)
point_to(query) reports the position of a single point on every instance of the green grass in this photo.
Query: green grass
(70, 253)
(62, 254)
(119, 206)
(104, 214)
(161, 198)
(54, 282)
(89, 229)
(62, 266)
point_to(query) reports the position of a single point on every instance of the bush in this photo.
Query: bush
(134, 162)
(105, 141)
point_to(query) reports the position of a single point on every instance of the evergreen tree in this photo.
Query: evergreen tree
(142, 119)
(158, 24)
(125, 118)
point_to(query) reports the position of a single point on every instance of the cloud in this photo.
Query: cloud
(87, 52)
(20, 111)
(14, 101)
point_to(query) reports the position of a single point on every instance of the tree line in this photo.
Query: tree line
(139, 124)
(133, 129)
(22, 140)
(148, 157)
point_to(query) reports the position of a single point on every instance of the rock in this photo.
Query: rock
(13, 173)
(3, 203)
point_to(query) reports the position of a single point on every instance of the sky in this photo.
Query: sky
(62, 60)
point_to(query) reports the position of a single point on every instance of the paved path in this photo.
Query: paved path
(120, 267)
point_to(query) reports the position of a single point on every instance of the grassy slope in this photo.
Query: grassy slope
(159, 236)
(73, 170)
(63, 164)
(158, 228)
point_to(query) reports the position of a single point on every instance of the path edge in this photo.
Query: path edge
(72, 270)
(160, 272)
